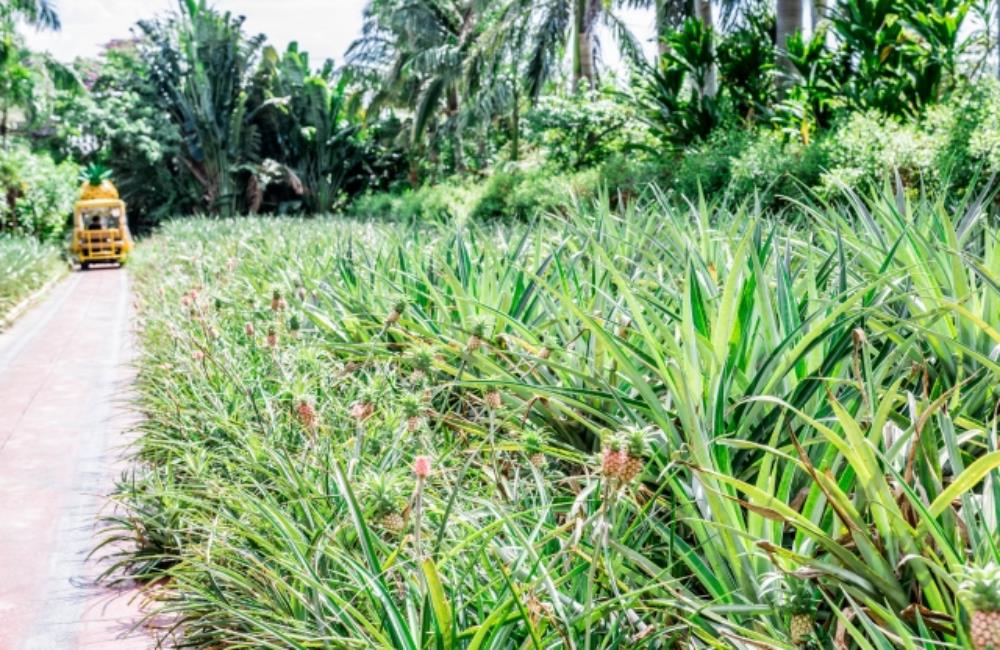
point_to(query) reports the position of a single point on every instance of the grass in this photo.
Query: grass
(25, 267)
(809, 405)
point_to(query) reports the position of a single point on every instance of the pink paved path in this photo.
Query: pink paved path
(64, 376)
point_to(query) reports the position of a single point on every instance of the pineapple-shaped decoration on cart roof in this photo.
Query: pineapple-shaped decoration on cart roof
(97, 184)
(980, 590)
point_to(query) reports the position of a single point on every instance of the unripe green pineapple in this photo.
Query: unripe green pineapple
(800, 628)
(384, 495)
(396, 313)
(413, 410)
(533, 439)
(796, 597)
(476, 333)
(980, 589)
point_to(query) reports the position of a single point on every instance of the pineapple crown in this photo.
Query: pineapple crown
(95, 174)
(399, 306)
(478, 328)
(533, 438)
(383, 491)
(294, 324)
(412, 405)
(612, 441)
(422, 358)
(276, 294)
(635, 442)
(790, 593)
(374, 390)
(980, 587)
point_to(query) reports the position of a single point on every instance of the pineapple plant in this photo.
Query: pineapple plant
(97, 184)
(980, 589)
(396, 313)
(635, 446)
(385, 498)
(799, 598)
(613, 459)
(413, 410)
(532, 439)
(476, 334)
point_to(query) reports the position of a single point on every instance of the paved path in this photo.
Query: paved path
(64, 377)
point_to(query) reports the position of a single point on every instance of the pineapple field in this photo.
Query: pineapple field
(658, 427)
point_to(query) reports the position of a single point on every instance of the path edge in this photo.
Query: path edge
(8, 319)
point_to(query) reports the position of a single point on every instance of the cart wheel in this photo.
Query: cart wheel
(84, 266)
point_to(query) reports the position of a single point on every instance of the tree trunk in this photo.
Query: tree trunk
(662, 27)
(788, 21)
(818, 9)
(585, 14)
(515, 127)
(458, 155)
(998, 38)
(704, 12)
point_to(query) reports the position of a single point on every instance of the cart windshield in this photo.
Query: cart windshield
(101, 219)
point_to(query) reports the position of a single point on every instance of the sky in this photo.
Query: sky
(324, 28)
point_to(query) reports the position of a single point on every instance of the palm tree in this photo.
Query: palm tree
(201, 62)
(416, 51)
(21, 71)
(575, 22)
(40, 14)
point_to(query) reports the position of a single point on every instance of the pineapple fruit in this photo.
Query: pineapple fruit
(532, 440)
(980, 589)
(624, 454)
(635, 449)
(97, 184)
(800, 628)
(798, 597)
(383, 494)
(413, 408)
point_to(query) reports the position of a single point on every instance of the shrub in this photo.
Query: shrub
(770, 167)
(529, 193)
(38, 194)
(707, 166)
(978, 124)
(581, 131)
(427, 203)
(868, 145)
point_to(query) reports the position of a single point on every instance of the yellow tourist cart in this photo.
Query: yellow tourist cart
(100, 222)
